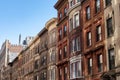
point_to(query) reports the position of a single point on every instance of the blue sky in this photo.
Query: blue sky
(25, 17)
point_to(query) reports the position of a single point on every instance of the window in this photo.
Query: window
(52, 74)
(65, 73)
(52, 56)
(98, 33)
(97, 6)
(65, 51)
(109, 27)
(111, 55)
(76, 20)
(60, 34)
(65, 11)
(60, 74)
(71, 24)
(75, 44)
(88, 12)
(108, 2)
(60, 15)
(52, 37)
(43, 61)
(90, 66)
(65, 30)
(43, 76)
(60, 54)
(100, 62)
(36, 65)
(71, 3)
(75, 70)
(89, 39)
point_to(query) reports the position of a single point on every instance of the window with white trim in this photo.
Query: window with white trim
(90, 66)
(75, 44)
(89, 39)
(52, 74)
(98, 33)
(76, 20)
(75, 70)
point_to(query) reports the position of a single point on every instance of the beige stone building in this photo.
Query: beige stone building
(112, 28)
(52, 49)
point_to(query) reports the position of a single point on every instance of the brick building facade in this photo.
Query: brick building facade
(62, 40)
(94, 39)
(82, 43)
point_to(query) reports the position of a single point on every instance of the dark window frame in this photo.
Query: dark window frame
(89, 41)
(88, 13)
(108, 2)
(97, 6)
(111, 59)
(65, 30)
(60, 34)
(109, 27)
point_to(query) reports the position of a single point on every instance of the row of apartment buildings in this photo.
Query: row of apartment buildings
(82, 43)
